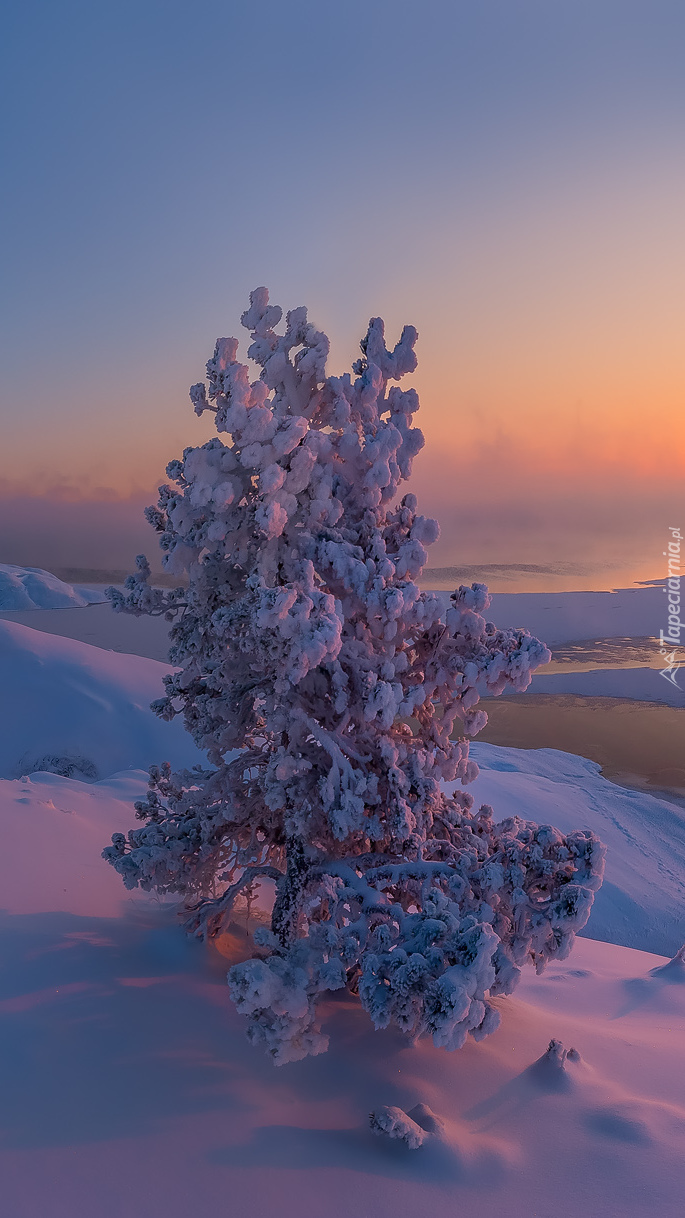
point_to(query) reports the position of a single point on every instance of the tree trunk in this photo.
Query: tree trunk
(289, 891)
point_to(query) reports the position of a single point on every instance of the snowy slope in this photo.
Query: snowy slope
(129, 1090)
(53, 831)
(557, 618)
(642, 901)
(79, 710)
(33, 588)
(83, 712)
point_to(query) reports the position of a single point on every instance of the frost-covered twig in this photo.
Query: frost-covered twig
(207, 918)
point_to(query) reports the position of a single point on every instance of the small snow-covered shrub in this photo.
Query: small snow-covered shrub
(395, 1123)
(333, 703)
(53, 763)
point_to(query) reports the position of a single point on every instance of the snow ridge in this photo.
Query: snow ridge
(33, 588)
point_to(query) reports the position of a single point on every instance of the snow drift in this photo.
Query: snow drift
(642, 900)
(79, 711)
(85, 712)
(124, 1061)
(32, 588)
(128, 1088)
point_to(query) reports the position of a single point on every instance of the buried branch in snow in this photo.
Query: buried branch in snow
(396, 1123)
(326, 691)
(412, 1128)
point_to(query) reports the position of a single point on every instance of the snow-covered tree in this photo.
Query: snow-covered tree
(334, 701)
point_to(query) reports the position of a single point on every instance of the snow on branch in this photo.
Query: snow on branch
(334, 704)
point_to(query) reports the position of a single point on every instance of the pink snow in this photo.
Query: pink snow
(130, 1090)
(32, 588)
(65, 699)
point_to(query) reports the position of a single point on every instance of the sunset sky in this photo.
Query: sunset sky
(508, 176)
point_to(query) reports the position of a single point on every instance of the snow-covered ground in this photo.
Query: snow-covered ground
(83, 713)
(555, 617)
(53, 832)
(638, 684)
(558, 617)
(642, 900)
(76, 709)
(129, 1089)
(24, 588)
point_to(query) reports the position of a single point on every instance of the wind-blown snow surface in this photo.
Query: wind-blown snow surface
(129, 1090)
(642, 900)
(79, 710)
(84, 712)
(32, 588)
(53, 831)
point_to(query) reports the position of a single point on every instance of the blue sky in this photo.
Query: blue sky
(508, 176)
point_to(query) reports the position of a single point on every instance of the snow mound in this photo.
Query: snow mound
(642, 900)
(673, 972)
(79, 711)
(610, 1109)
(450, 1148)
(397, 1124)
(119, 1044)
(83, 713)
(33, 588)
(70, 820)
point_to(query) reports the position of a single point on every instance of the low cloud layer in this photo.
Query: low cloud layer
(515, 530)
